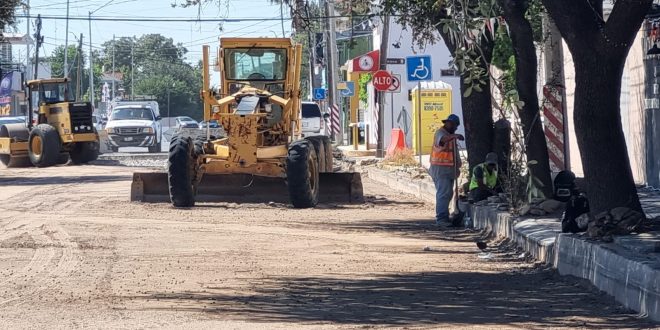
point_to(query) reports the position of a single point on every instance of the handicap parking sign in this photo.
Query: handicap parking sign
(319, 93)
(349, 89)
(419, 68)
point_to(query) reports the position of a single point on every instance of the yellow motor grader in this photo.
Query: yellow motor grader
(263, 154)
(62, 129)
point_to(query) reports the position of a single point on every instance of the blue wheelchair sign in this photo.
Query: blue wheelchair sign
(349, 91)
(419, 68)
(319, 94)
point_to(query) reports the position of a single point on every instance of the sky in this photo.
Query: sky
(191, 34)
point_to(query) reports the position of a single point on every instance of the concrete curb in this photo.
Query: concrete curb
(424, 190)
(619, 269)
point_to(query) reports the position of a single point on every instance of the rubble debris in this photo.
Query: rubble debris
(617, 221)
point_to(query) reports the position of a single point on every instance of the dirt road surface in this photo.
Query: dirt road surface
(75, 253)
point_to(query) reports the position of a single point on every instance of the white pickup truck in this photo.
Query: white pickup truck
(135, 124)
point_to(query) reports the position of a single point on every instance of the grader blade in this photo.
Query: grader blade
(244, 188)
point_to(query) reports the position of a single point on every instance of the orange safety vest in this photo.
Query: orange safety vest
(443, 155)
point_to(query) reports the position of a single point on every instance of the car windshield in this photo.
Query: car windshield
(310, 110)
(55, 93)
(255, 64)
(132, 113)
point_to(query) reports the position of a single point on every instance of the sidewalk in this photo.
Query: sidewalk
(628, 268)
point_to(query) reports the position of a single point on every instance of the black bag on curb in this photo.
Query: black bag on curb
(577, 205)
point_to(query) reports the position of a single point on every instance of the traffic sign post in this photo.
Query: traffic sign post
(419, 69)
(395, 86)
(347, 88)
(319, 94)
(382, 80)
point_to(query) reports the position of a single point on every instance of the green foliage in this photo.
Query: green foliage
(534, 15)
(504, 59)
(160, 68)
(7, 10)
(73, 58)
(365, 78)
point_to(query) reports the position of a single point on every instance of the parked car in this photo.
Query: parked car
(214, 124)
(135, 124)
(185, 122)
(313, 120)
(12, 120)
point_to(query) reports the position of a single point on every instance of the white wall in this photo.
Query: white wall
(440, 60)
(632, 110)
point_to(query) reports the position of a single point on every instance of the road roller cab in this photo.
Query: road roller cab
(56, 128)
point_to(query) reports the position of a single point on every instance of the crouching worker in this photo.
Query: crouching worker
(484, 182)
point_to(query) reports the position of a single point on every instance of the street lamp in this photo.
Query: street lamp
(91, 57)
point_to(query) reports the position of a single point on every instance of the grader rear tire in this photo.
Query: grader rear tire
(44, 146)
(319, 148)
(181, 172)
(302, 171)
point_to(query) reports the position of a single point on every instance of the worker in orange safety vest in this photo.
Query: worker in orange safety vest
(445, 166)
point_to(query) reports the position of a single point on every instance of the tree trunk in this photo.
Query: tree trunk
(605, 161)
(477, 110)
(522, 39)
(599, 50)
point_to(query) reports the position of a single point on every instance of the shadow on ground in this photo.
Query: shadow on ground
(56, 180)
(409, 299)
(419, 229)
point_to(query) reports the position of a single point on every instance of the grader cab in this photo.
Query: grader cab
(60, 128)
(263, 156)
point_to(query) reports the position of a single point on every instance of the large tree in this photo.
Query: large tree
(517, 16)
(424, 18)
(160, 69)
(7, 10)
(600, 47)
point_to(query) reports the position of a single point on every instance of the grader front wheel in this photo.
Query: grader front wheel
(302, 172)
(181, 172)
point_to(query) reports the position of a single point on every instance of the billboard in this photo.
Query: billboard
(5, 94)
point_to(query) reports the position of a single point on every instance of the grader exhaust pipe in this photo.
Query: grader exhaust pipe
(152, 187)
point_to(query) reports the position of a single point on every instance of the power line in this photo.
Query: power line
(174, 19)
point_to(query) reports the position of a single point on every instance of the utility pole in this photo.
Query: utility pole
(39, 39)
(27, 44)
(132, 69)
(384, 43)
(66, 43)
(79, 72)
(554, 74)
(113, 68)
(312, 46)
(330, 45)
(91, 64)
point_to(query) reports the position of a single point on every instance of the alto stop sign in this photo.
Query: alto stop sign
(382, 80)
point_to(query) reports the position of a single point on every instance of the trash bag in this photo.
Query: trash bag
(577, 208)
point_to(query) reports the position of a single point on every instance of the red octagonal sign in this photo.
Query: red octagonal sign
(382, 80)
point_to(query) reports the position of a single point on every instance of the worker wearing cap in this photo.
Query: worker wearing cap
(484, 179)
(445, 165)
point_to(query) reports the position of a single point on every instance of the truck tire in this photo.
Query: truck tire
(84, 152)
(44, 146)
(302, 173)
(319, 148)
(181, 171)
